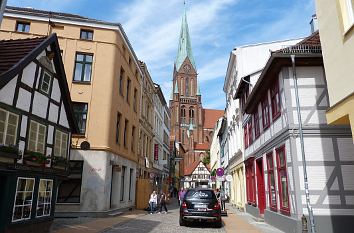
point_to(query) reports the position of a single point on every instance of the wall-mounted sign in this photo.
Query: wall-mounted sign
(156, 152)
(228, 178)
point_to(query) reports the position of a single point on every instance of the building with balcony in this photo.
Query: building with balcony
(104, 78)
(36, 124)
(283, 112)
(336, 27)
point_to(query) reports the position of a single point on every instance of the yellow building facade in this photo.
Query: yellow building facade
(104, 78)
(336, 27)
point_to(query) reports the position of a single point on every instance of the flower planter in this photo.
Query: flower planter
(10, 152)
(35, 159)
(59, 163)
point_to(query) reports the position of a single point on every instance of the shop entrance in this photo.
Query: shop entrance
(260, 186)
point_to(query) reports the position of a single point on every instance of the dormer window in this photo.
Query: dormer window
(45, 82)
(86, 34)
(22, 26)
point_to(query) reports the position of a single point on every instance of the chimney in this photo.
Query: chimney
(313, 23)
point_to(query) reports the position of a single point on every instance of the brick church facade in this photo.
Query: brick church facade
(191, 124)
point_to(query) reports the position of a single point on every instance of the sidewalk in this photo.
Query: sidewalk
(241, 222)
(88, 225)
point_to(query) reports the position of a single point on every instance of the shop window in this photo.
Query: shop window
(8, 128)
(283, 180)
(69, 190)
(271, 182)
(265, 112)
(130, 183)
(44, 197)
(122, 183)
(275, 101)
(23, 199)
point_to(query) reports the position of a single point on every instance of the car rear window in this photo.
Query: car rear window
(200, 194)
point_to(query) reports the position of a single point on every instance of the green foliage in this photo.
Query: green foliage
(35, 157)
(9, 149)
(206, 159)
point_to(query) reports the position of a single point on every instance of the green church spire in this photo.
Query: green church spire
(184, 46)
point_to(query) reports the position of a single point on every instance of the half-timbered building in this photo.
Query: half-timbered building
(275, 184)
(197, 174)
(36, 123)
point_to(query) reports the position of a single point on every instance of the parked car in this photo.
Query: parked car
(200, 205)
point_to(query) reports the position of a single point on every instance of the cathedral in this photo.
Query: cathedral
(191, 124)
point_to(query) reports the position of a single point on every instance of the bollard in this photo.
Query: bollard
(304, 224)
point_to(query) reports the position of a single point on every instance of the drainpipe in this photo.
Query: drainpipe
(309, 208)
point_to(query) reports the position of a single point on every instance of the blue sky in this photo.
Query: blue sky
(216, 27)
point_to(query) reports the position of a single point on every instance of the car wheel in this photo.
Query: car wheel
(218, 224)
(182, 222)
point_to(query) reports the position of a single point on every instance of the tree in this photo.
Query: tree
(206, 158)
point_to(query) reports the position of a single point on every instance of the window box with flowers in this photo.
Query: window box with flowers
(35, 159)
(11, 152)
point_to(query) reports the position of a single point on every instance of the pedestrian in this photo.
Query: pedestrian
(162, 202)
(175, 191)
(217, 194)
(223, 198)
(179, 196)
(153, 201)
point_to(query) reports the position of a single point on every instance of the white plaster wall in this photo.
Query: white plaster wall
(7, 93)
(24, 100)
(23, 126)
(28, 74)
(316, 149)
(56, 90)
(63, 121)
(40, 105)
(53, 113)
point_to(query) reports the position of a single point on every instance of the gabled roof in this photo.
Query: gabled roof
(15, 55)
(12, 51)
(185, 45)
(211, 116)
(191, 168)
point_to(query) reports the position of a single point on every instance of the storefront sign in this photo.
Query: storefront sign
(156, 152)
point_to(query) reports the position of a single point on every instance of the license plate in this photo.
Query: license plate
(199, 206)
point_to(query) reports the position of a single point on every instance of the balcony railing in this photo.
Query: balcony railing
(302, 48)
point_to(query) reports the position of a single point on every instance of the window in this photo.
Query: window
(245, 136)
(271, 182)
(347, 11)
(256, 125)
(130, 183)
(44, 197)
(191, 115)
(122, 183)
(86, 34)
(23, 199)
(22, 26)
(8, 128)
(69, 190)
(133, 139)
(83, 67)
(250, 182)
(36, 139)
(183, 115)
(119, 116)
(135, 100)
(80, 113)
(275, 101)
(128, 90)
(183, 132)
(250, 135)
(45, 82)
(187, 86)
(61, 144)
(283, 180)
(121, 80)
(125, 139)
(265, 112)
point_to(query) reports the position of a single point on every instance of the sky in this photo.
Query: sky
(215, 27)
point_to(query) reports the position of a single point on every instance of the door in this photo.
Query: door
(260, 186)
(114, 201)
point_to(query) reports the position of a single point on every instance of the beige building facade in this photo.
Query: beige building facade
(336, 27)
(104, 78)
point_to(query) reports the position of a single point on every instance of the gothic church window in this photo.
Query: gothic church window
(187, 86)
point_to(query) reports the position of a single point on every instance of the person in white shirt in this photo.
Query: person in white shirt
(153, 201)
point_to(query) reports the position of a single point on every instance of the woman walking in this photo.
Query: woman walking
(153, 201)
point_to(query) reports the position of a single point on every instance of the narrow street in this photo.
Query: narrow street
(140, 222)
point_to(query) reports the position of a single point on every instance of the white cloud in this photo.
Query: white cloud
(213, 69)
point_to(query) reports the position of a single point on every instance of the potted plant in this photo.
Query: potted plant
(33, 158)
(10, 151)
(59, 162)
